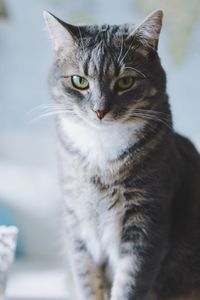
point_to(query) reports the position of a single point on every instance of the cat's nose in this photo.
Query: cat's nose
(100, 113)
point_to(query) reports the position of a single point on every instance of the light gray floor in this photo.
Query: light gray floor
(37, 280)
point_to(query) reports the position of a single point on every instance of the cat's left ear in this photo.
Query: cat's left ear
(149, 30)
(62, 35)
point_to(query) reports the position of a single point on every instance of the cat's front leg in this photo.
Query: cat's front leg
(88, 277)
(141, 252)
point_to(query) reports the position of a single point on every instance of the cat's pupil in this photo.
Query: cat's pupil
(126, 80)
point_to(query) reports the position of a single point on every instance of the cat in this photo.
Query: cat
(131, 184)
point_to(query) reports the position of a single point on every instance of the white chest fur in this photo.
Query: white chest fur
(100, 145)
(99, 226)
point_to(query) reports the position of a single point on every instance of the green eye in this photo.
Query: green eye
(125, 83)
(79, 82)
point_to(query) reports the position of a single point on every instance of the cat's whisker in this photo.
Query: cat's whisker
(50, 114)
(81, 38)
(153, 118)
(136, 70)
(148, 115)
(153, 113)
(44, 107)
(126, 53)
(123, 58)
(121, 50)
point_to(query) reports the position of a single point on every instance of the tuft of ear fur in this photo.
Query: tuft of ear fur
(149, 30)
(61, 34)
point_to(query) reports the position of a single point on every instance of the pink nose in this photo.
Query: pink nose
(100, 113)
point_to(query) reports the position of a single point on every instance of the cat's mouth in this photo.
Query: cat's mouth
(97, 123)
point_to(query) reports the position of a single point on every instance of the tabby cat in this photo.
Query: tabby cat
(131, 185)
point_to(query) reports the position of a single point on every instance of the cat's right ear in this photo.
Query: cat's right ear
(62, 35)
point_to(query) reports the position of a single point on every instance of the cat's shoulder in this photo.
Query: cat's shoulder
(187, 149)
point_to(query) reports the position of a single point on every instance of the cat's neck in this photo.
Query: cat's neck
(99, 146)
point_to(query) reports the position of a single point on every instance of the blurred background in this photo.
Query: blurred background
(29, 189)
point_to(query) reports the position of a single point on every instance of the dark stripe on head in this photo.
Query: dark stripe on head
(86, 64)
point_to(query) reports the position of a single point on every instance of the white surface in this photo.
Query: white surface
(37, 279)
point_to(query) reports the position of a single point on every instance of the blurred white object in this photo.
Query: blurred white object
(8, 235)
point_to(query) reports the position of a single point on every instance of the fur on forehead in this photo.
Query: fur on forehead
(64, 35)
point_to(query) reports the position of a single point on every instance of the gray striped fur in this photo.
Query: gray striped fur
(127, 179)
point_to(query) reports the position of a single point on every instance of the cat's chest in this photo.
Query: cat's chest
(98, 214)
(101, 227)
(99, 146)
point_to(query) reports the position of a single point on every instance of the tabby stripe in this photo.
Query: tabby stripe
(151, 135)
(133, 195)
(101, 67)
(86, 64)
(132, 233)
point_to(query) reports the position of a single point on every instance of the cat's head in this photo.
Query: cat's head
(108, 74)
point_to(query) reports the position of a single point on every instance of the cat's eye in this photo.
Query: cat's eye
(79, 82)
(125, 83)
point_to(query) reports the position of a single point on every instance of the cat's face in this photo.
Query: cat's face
(105, 75)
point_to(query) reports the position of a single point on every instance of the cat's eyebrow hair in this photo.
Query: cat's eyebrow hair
(134, 69)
